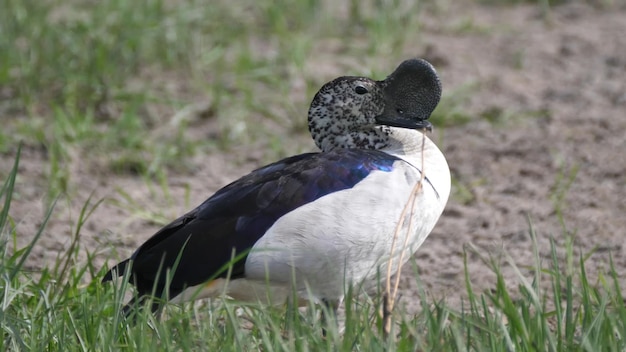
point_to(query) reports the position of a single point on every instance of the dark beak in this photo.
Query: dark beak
(414, 124)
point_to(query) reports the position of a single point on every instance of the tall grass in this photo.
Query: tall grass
(51, 310)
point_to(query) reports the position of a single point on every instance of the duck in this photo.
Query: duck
(312, 225)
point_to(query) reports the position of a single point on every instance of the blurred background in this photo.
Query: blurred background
(139, 110)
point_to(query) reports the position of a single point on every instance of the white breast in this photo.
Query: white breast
(345, 237)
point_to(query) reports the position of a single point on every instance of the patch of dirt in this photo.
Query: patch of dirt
(556, 90)
(566, 79)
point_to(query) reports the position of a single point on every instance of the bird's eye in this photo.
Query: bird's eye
(400, 111)
(360, 90)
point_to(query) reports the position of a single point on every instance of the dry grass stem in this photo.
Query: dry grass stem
(389, 297)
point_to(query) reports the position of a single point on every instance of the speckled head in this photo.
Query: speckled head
(356, 112)
(344, 111)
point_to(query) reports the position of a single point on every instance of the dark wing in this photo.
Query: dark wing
(202, 242)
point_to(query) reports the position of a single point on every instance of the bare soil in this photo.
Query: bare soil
(547, 103)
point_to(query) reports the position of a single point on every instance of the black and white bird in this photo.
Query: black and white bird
(317, 222)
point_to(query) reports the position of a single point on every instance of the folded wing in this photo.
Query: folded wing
(201, 244)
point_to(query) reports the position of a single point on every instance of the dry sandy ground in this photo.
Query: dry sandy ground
(556, 89)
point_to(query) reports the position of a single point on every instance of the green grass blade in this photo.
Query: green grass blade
(7, 191)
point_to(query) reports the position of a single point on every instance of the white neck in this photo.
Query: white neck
(418, 150)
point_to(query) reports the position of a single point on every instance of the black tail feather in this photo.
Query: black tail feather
(148, 295)
(137, 303)
(119, 270)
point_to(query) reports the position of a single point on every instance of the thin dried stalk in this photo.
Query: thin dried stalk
(389, 297)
